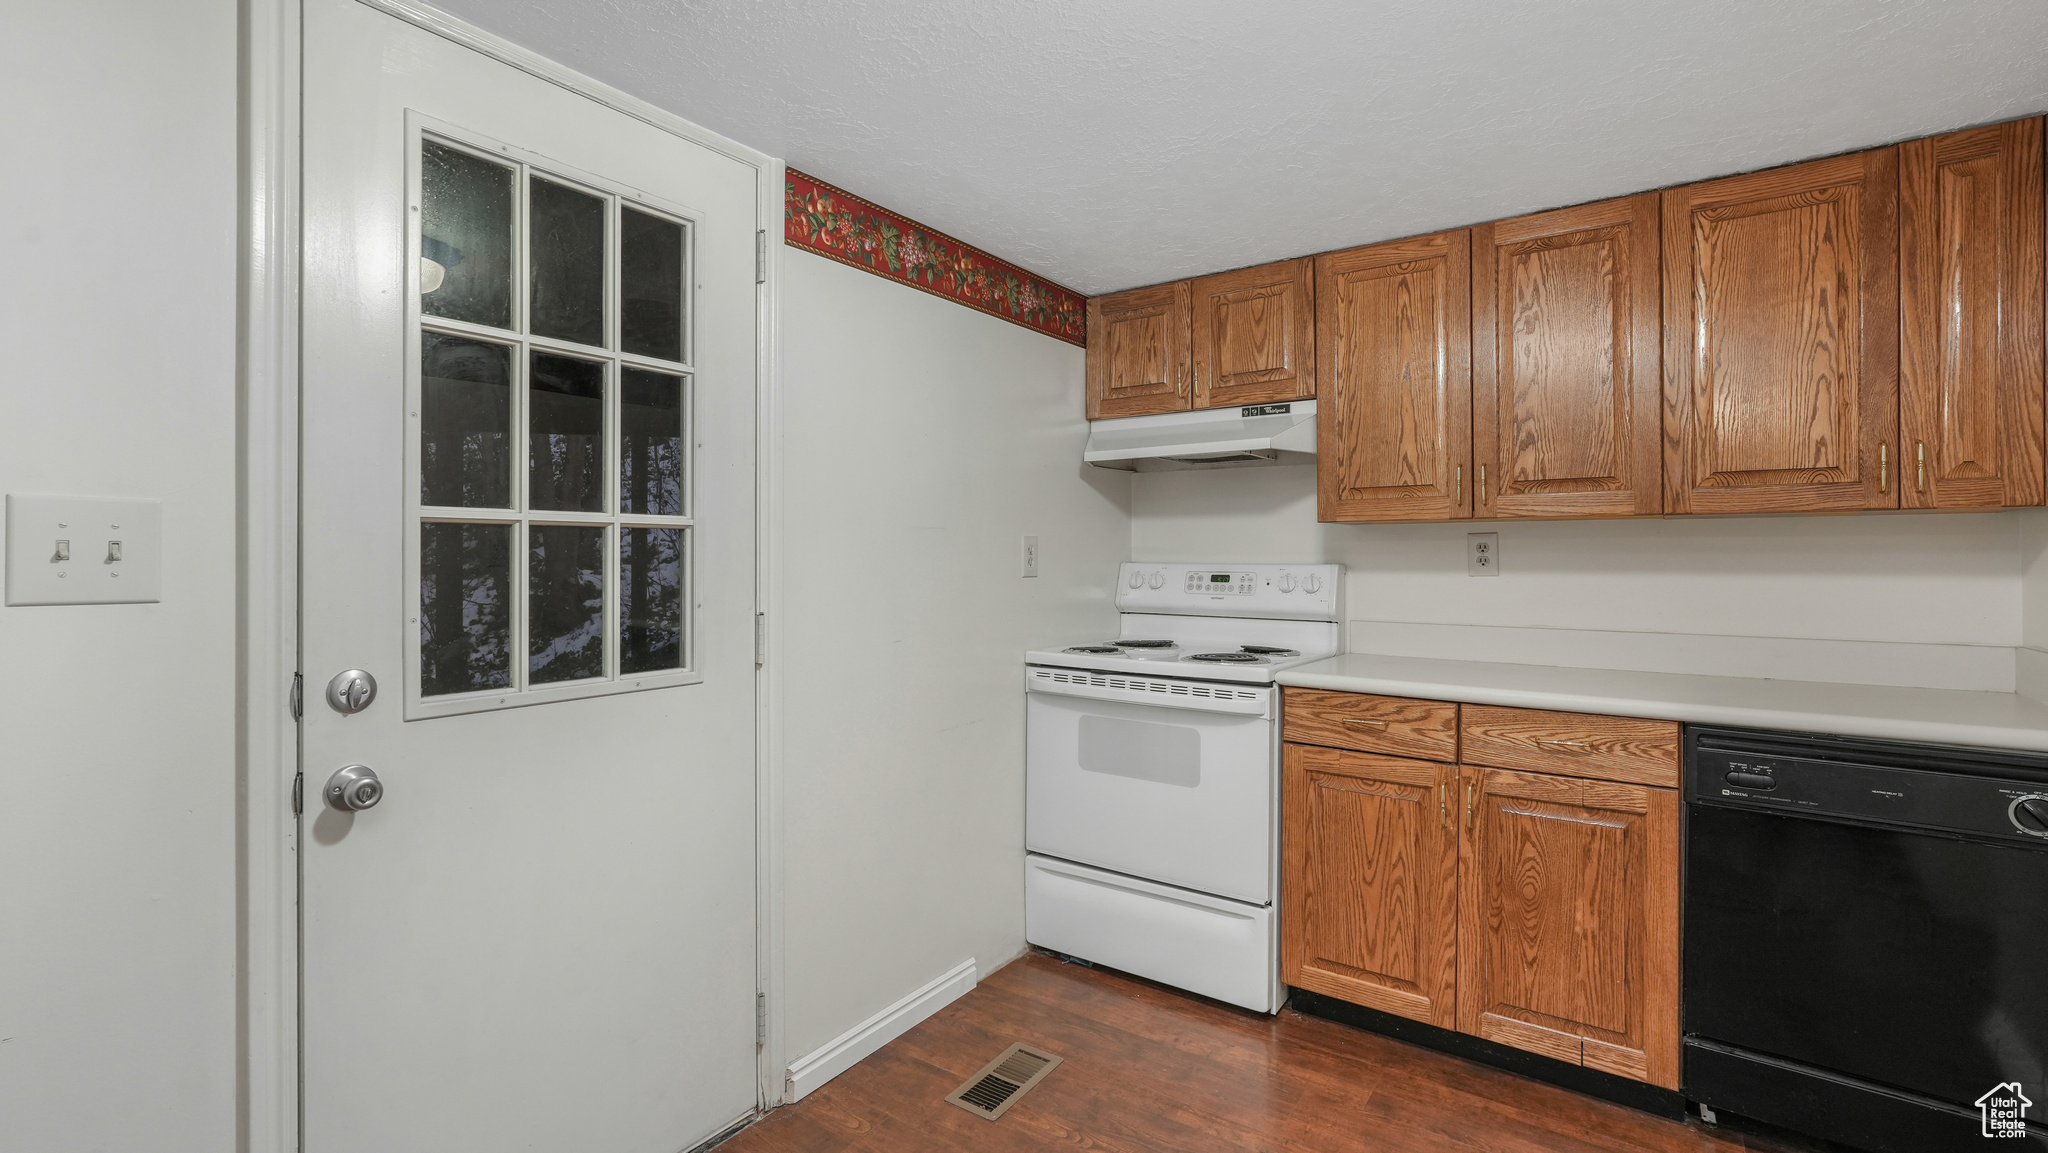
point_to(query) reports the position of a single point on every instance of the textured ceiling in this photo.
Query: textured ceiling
(1108, 145)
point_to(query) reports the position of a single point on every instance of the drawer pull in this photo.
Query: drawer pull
(1373, 724)
(1566, 744)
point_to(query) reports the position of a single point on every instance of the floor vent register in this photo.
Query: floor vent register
(992, 1091)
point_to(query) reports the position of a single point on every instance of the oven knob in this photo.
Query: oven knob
(1312, 583)
(1137, 579)
(1287, 582)
(2029, 814)
(1158, 580)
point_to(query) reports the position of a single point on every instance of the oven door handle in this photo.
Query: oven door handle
(1158, 692)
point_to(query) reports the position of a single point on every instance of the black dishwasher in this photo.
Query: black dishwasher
(1866, 938)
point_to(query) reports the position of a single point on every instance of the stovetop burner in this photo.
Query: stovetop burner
(1093, 650)
(1237, 658)
(1146, 644)
(1270, 651)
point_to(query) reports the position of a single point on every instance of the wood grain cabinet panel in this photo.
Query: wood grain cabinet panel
(1254, 335)
(1970, 361)
(1628, 749)
(1394, 354)
(1369, 881)
(1567, 349)
(1394, 725)
(1138, 352)
(1569, 902)
(1781, 330)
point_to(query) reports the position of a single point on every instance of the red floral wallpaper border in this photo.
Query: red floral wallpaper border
(836, 224)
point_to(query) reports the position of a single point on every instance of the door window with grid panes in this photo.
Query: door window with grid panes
(550, 434)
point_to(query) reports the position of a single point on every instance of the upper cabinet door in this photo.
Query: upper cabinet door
(1394, 343)
(1138, 352)
(1970, 379)
(1781, 313)
(1566, 362)
(1254, 335)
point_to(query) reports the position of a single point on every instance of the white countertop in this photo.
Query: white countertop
(1940, 716)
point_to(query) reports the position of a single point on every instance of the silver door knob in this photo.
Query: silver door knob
(354, 788)
(351, 691)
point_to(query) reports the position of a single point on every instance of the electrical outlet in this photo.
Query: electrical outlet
(1027, 563)
(1482, 554)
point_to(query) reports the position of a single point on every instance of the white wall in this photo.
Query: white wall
(921, 440)
(117, 752)
(1904, 598)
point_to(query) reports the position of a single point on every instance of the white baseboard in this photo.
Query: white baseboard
(847, 1049)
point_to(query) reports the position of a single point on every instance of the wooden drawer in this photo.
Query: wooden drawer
(1626, 749)
(1394, 725)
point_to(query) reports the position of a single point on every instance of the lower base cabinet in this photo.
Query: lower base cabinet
(1568, 921)
(1369, 904)
(1532, 909)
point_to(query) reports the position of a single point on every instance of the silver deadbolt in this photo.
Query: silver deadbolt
(354, 788)
(351, 691)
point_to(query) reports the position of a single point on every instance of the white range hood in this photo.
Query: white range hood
(1283, 433)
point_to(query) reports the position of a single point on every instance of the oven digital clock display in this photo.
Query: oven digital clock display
(1214, 583)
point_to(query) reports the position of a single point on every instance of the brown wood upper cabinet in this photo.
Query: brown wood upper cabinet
(1394, 345)
(1781, 355)
(1254, 335)
(1138, 352)
(1970, 275)
(1566, 356)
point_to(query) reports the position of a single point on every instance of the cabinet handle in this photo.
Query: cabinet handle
(1482, 484)
(1468, 804)
(1566, 744)
(1375, 724)
(1458, 485)
(1443, 805)
(1920, 459)
(1884, 467)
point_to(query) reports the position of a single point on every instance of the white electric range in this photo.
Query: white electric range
(1153, 775)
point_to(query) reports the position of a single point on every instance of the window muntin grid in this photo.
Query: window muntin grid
(550, 473)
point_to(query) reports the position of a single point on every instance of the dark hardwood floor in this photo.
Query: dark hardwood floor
(1148, 1070)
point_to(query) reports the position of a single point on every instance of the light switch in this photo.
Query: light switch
(118, 558)
(1027, 558)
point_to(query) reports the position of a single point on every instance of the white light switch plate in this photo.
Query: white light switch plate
(1027, 558)
(85, 568)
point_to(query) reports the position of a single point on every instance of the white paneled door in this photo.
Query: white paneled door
(529, 365)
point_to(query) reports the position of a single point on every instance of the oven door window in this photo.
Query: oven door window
(1143, 750)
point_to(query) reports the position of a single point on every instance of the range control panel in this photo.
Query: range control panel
(1295, 592)
(1930, 799)
(1234, 583)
